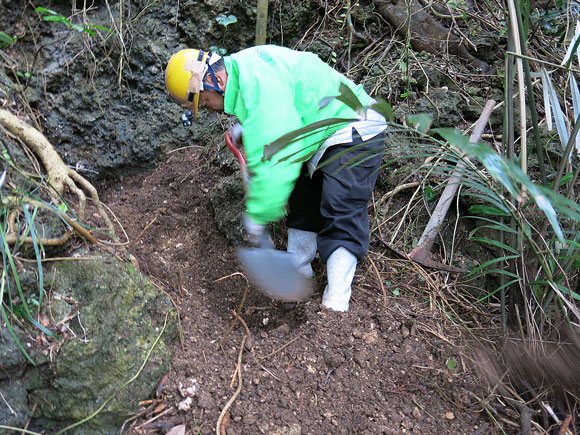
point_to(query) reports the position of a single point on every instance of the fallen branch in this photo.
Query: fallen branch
(422, 252)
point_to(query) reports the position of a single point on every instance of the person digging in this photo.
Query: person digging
(272, 91)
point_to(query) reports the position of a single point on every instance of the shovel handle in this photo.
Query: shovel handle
(234, 149)
(239, 155)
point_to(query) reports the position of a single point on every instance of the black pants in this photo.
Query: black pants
(334, 202)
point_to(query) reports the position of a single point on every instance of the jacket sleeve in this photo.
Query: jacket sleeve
(271, 113)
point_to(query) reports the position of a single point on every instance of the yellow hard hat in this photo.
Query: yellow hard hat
(184, 75)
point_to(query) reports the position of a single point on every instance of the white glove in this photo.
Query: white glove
(254, 231)
(237, 134)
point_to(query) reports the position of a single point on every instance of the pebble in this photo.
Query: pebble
(449, 415)
(371, 337)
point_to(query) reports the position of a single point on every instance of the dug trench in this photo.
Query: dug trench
(246, 364)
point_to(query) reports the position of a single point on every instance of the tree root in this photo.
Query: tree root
(12, 236)
(426, 33)
(60, 177)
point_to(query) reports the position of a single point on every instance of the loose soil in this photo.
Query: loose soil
(386, 366)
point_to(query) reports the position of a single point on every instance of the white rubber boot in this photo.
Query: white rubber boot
(302, 246)
(340, 268)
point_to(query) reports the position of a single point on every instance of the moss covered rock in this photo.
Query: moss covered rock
(123, 322)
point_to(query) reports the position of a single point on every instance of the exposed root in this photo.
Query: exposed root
(60, 177)
(220, 426)
(240, 308)
(12, 236)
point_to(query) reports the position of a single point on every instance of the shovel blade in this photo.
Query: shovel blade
(274, 273)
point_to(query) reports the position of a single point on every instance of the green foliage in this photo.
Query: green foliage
(226, 20)
(6, 40)
(451, 364)
(16, 304)
(55, 17)
(219, 50)
(429, 194)
(544, 237)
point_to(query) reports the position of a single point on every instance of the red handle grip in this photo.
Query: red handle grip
(237, 152)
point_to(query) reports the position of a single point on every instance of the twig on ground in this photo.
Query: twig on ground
(565, 424)
(151, 404)
(184, 148)
(380, 282)
(232, 326)
(33, 410)
(151, 420)
(280, 348)
(218, 427)
(106, 242)
(142, 232)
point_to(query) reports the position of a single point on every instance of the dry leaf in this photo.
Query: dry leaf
(176, 430)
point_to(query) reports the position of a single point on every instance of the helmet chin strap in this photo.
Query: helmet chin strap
(215, 86)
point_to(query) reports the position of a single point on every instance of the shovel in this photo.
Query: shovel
(273, 271)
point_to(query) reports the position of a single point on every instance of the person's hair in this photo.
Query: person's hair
(218, 66)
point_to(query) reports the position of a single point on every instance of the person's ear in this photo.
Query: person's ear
(221, 79)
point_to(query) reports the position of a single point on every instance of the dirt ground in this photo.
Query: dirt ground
(390, 365)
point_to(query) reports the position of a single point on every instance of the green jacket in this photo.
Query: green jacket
(272, 91)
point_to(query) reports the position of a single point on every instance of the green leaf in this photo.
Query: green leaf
(30, 223)
(495, 243)
(429, 195)
(62, 206)
(490, 262)
(419, 121)
(384, 109)
(80, 28)
(346, 96)
(99, 27)
(451, 364)
(56, 19)
(4, 315)
(6, 40)
(488, 210)
(271, 149)
(505, 172)
(507, 284)
(565, 290)
(503, 227)
(9, 264)
(43, 328)
(45, 11)
(226, 20)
